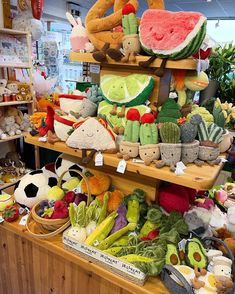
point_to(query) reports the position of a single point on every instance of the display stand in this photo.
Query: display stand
(47, 266)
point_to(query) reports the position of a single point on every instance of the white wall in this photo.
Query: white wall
(56, 8)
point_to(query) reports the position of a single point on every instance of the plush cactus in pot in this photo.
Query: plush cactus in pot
(129, 147)
(220, 116)
(170, 148)
(130, 42)
(190, 146)
(209, 137)
(149, 149)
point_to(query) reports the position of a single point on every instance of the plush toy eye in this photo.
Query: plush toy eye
(145, 153)
(83, 130)
(154, 152)
(97, 131)
(130, 150)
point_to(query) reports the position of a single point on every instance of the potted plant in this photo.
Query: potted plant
(219, 72)
(220, 115)
(170, 148)
(129, 147)
(149, 149)
(209, 137)
(190, 146)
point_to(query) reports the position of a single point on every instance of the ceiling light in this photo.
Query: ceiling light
(208, 0)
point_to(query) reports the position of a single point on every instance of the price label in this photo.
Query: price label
(95, 68)
(181, 245)
(121, 166)
(1, 219)
(23, 220)
(99, 159)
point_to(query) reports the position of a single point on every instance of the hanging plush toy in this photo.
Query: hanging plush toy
(78, 39)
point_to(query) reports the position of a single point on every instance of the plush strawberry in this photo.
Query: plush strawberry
(69, 197)
(10, 213)
(37, 8)
(60, 210)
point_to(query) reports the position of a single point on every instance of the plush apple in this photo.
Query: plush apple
(55, 193)
(221, 196)
(71, 184)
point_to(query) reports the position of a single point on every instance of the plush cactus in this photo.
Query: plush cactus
(129, 20)
(170, 133)
(94, 94)
(212, 133)
(170, 112)
(148, 130)
(132, 128)
(189, 129)
(219, 114)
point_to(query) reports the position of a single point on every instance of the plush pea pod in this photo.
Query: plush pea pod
(72, 214)
(106, 243)
(133, 211)
(120, 251)
(123, 241)
(103, 212)
(103, 229)
(135, 258)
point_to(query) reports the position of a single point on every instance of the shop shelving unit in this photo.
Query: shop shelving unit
(6, 66)
(136, 175)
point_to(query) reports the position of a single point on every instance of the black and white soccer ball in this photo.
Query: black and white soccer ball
(32, 188)
(52, 178)
(65, 162)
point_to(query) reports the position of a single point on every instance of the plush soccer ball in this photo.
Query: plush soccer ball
(65, 162)
(32, 188)
(52, 178)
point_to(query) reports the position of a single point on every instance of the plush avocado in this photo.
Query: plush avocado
(200, 243)
(194, 255)
(172, 255)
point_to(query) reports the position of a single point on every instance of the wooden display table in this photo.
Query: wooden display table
(35, 266)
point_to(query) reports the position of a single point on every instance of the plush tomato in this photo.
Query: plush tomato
(37, 8)
(151, 235)
(10, 213)
(60, 210)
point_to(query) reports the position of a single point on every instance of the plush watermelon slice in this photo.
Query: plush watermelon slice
(173, 35)
(131, 90)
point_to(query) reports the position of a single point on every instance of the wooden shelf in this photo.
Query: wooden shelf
(70, 261)
(200, 178)
(13, 32)
(15, 103)
(190, 63)
(10, 65)
(12, 138)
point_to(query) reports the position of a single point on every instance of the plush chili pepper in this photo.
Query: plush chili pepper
(153, 222)
(103, 212)
(151, 235)
(37, 8)
(10, 213)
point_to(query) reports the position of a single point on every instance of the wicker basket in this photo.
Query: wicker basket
(175, 288)
(54, 226)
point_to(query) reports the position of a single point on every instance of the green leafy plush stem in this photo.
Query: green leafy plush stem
(148, 134)
(218, 115)
(170, 133)
(132, 131)
(203, 131)
(212, 133)
(129, 24)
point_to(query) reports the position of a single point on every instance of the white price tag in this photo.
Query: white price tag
(137, 160)
(77, 190)
(24, 220)
(1, 219)
(95, 68)
(181, 244)
(42, 139)
(223, 160)
(99, 159)
(199, 67)
(181, 165)
(121, 166)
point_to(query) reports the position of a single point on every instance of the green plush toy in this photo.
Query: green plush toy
(170, 112)
(129, 91)
(130, 42)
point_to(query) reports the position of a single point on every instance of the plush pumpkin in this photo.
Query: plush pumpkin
(97, 184)
(115, 199)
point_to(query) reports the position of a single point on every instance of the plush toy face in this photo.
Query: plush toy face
(91, 135)
(149, 153)
(131, 43)
(13, 87)
(129, 149)
(9, 120)
(3, 83)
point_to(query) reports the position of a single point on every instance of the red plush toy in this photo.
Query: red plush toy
(176, 198)
(48, 124)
